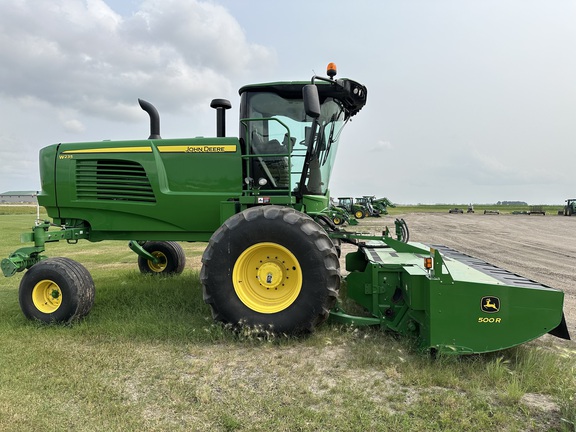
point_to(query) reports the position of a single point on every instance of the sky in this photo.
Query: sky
(468, 101)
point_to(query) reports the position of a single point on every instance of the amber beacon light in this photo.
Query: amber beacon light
(331, 70)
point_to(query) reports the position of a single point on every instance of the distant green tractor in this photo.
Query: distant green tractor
(364, 201)
(358, 210)
(339, 216)
(570, 207)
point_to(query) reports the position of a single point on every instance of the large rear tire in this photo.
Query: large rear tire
(56, 290)
(271, 268)
(170, 255)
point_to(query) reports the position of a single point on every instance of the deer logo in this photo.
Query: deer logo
(490, 304)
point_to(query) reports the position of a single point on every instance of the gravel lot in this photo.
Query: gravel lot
(541, 248)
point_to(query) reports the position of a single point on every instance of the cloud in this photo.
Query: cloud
(74, 125)
(17, 166)
(85, 57)
(381, 145)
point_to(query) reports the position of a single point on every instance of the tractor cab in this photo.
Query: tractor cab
(289, 149)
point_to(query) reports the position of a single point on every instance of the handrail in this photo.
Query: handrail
(249, 155)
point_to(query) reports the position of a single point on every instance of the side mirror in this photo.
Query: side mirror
(311, 100)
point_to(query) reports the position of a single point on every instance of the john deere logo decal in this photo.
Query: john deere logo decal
(490, 304)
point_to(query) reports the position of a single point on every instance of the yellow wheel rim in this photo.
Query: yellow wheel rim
(337, 220)
(162, 262)
(47, 296)
(267, 277)
(359, 214)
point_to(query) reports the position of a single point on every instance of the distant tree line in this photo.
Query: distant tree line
(512, 203)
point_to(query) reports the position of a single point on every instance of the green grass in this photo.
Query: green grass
(149, 358)
(14, 209)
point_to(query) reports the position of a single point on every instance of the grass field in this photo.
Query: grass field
(149, 358)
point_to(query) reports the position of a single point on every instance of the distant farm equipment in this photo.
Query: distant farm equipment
(358, 210)
(570, 207)
(380, 205)
(537, 209)
(339, 215)
(364, 201)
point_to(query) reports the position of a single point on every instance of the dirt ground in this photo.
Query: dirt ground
(541, 248)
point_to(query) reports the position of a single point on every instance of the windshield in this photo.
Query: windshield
(276, 130)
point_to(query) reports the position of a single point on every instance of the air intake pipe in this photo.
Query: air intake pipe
(220, 105)
(154, 118)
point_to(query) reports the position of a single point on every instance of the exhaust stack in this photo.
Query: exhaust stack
(154, 118)
(220, 105)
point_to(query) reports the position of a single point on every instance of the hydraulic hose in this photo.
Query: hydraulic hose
(402, 226)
